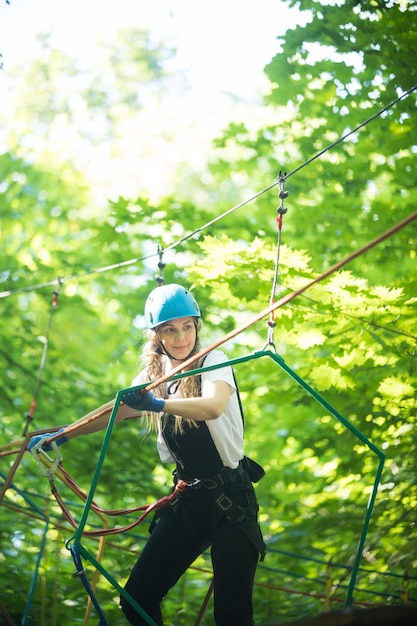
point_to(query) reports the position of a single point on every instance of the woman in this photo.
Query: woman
(199, 428)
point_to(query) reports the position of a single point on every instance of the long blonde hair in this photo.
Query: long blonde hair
(154, 355)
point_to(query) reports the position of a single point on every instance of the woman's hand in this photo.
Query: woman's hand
(143, 401)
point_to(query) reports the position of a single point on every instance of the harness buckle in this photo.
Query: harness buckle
(193, 482)
(224, 502)
(209, 483)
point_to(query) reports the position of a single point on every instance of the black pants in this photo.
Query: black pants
(181, 534)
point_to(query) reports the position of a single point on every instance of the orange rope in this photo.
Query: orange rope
(286, 299)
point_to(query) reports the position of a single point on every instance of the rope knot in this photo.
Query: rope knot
(181, 485)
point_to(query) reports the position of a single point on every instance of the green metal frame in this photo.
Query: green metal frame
(255, 355)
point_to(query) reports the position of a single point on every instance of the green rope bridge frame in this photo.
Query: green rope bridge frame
(77, 539)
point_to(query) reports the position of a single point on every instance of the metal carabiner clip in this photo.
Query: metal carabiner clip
(38, 451)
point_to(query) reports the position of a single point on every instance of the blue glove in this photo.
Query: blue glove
(47, 447)
(143, 401)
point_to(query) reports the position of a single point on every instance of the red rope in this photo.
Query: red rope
(7, 615)
(147, 508)
(205, 604)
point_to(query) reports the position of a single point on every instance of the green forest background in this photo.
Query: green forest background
(352, 337)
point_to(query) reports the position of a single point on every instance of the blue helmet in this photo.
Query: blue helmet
(169, 302)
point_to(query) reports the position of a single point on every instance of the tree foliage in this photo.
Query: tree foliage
(351, 338)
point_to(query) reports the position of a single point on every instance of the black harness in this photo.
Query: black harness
(198, 463)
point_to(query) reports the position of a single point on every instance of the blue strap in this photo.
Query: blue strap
(80, 573)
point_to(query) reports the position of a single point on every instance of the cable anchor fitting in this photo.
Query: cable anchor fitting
(282, 195)
(161, 266)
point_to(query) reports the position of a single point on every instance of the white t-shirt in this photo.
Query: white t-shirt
(227, 430)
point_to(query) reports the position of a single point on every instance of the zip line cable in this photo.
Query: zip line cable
(351, 132)
(10, 292)
(50, 283)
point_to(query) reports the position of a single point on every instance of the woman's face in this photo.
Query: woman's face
(178, 337)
